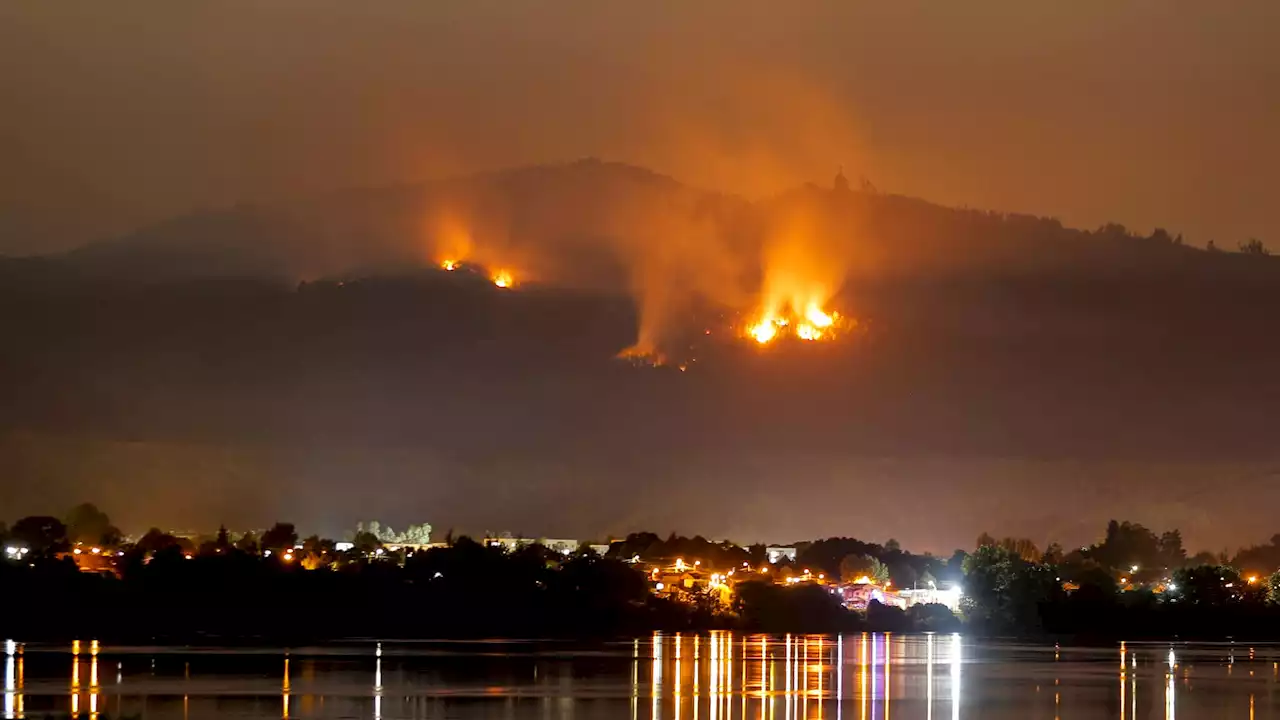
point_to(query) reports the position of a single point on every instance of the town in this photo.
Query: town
(1132, 580)
(686, 570)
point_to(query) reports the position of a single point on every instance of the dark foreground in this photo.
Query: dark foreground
(717, 675)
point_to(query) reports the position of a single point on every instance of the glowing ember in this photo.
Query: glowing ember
(763, 331)
(805, 331)
(503, 279)
(450, 264)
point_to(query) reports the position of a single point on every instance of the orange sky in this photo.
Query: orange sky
(1152, 112)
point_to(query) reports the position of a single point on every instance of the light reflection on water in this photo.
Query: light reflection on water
(716, 676)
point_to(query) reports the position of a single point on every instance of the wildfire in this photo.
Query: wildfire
(813, 324)
(450, 265)
(818, 318)
(503, 279)
(808, 332)
(764, 331)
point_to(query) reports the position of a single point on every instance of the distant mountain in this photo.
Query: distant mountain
(312, 359)
(561, 223)
(599, 224)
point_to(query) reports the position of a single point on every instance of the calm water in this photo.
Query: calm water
(709, 677)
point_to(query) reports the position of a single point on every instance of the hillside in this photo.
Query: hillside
(194, 349)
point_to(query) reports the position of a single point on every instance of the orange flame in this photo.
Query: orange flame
(814, 324)
(764, 331)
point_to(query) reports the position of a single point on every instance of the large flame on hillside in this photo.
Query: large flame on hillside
(800, 278)
(451, 242)
(503, 279)
(453, 246)
(680, 268)
(813, 323)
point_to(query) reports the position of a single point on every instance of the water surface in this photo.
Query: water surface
(719, 676)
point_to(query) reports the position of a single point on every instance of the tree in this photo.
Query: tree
(985, 540)
(365, 541)
(40, 534)
(280, 537)
(417, 534)
(879, 571)
(1022, 547)
(955, 565)
(248, 543)
(1213, 585)
(1254, 246)
(892, 545)
(1273, 588)
(1053, 554)
(855, 567)
(1172, 554)
(1204, 557)
(223, 543)
(88, 525)
(1130, 544)
(155, 541)
(1004, 592)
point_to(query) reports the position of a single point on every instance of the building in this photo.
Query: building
(563, 546)
(948, 596)
(859, 596)
(778, 554)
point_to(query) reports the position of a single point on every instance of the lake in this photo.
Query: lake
(717, 676)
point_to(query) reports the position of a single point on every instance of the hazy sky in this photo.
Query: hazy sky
(1147, 112)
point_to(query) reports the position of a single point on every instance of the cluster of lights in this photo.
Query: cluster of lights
(95, 551)
(15, 552)
(807, 576)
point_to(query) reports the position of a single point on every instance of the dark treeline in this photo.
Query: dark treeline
(465, 590)
(279, 587)
(225, 593)
(1132, 584)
